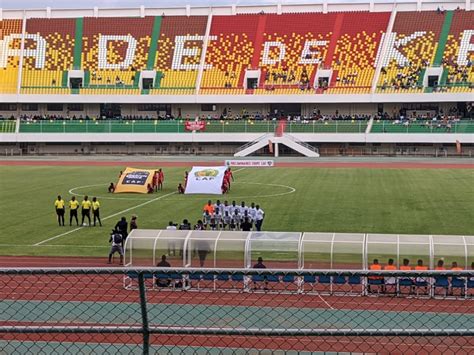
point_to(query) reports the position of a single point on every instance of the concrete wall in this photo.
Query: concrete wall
(240, 138)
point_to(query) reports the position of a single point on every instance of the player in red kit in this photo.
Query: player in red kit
(154, 181)
(161, 179)
(228, 176)
(225, 186)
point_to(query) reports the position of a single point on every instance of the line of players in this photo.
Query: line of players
(233, 217)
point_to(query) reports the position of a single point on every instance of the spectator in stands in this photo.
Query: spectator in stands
(163, 263)
(117, 241)
(86, 210)
(96, 211)
(133, 223)
(122, 227)
(390, 282)
(111, 187)
(59, 207)
(73, 207)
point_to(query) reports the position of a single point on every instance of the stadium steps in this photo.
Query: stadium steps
(421, 77)
(64, 79)
(334, 38)
(443, 38)
(154, 43)
(78, 43)
(444, 76)
(287, 140)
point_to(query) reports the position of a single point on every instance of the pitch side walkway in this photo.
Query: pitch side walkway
(177, 161)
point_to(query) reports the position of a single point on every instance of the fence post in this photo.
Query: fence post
(337, 128)
(146, 328)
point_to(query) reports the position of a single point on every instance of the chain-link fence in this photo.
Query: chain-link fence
(128, 310)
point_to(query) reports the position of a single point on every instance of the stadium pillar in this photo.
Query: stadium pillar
(276, 150)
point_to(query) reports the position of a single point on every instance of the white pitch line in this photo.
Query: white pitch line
(105, 218)
(58, 246)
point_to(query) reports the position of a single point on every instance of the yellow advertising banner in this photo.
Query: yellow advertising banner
(134, 180)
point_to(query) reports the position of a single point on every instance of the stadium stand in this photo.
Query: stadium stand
(356, 50)
(179, 50)
(299, 33)
(289, 48)
(284, 51)
(459, 77)
(415, 38)
(10, 40)
(114, 51)
(49, 44)
(230, 53)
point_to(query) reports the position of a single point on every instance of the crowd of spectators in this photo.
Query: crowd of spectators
(316, 115)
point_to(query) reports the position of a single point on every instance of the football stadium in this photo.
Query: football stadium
(254, 177)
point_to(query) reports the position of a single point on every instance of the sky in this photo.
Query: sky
(35, 4)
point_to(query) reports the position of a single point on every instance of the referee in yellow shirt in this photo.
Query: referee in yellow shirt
(95, 210)
(59, 206)
(86, 210)
(73, 207)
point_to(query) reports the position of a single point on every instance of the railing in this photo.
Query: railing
(236, 310)
(304, 144)
(422, 126)
(177, 126)
(249, 144)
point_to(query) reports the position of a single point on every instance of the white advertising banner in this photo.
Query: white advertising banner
(205, 180)
(250, 163)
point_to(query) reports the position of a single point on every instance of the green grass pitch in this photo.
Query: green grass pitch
(400, 201)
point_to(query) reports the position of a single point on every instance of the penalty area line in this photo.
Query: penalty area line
(105, 218)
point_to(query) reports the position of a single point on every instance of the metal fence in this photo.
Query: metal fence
(129, 310)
